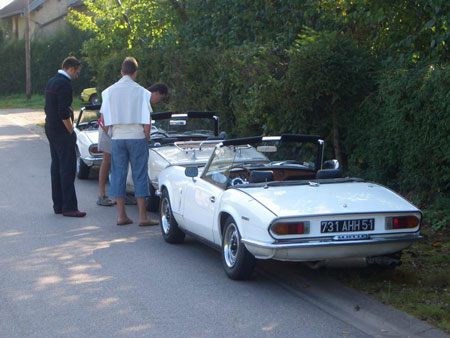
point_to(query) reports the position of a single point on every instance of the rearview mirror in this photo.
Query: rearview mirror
(191, 171)
(331, 164)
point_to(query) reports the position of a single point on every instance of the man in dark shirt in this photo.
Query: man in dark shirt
(62, 138)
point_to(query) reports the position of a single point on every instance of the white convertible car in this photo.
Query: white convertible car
(275, 198)
(86, 128)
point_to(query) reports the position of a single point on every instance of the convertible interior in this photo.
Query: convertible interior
(245, 175)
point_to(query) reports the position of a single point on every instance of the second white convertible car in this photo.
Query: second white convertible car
(275, 198)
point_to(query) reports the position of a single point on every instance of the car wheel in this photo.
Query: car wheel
(169, 226)
(153, 199)
(237, 261)
(82, 168)
(94, 99)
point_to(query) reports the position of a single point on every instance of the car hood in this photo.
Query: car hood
(330, 198)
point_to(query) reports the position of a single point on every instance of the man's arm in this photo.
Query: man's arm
(68, 124)
(147, 128)
(64, 100)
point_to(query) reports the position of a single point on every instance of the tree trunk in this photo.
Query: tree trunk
(27, 49)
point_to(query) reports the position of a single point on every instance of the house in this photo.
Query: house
(46, 16)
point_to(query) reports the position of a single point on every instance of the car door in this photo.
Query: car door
(203, 193)
(199, 207)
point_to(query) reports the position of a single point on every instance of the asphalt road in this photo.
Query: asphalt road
(66, 277)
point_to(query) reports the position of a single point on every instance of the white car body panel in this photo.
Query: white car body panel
(85, 139)
(322, 199)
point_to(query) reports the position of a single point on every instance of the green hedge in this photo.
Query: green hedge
(402, 135)
(46, 58)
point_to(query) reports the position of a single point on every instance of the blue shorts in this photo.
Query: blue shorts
(124, 151)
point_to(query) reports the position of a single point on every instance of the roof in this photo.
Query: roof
(16, 8)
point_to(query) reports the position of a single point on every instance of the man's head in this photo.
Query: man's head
(72, 66)
(159, 92)
(129, 67)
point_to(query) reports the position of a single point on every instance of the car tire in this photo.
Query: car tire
(94, 99)
(169, 226)
(237, 261)
(82, 168)
(153, 200)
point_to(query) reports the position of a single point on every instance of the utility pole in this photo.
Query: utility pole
(27, 49)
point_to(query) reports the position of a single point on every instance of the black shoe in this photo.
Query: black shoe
(74, 213)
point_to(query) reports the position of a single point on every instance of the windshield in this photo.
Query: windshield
(290, 153)
(267, 160)
(186, 126)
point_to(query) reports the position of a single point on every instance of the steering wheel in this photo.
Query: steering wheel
(92, 123)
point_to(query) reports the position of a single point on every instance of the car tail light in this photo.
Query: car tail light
(290, 228)
(401, 222)
(93, 150)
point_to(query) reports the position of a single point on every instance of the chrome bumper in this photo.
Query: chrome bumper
(92, 161)
(329, 249)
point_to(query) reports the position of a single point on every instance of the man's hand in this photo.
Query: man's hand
(68, 124)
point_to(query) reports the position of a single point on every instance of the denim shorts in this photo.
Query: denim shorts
(123, 152)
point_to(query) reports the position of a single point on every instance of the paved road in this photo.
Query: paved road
(66, 277)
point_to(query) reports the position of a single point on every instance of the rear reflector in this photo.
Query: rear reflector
(401, 222)
(290, 228)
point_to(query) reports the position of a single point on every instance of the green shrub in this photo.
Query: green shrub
(46, 58)
(401, 136)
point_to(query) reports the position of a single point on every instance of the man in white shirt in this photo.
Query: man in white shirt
(126, 109)
(158, 92)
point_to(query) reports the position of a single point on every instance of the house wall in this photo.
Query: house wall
(46, 20)
(50, 17)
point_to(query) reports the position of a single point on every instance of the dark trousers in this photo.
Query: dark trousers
(63, 169)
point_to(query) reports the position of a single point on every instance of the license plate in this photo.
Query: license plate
(348, 225)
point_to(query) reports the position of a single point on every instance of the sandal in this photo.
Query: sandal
(149, 222)
(125, 222)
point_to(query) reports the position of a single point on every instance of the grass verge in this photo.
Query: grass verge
(420, 286)
(36, 102)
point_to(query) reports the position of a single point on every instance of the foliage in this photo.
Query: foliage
(326, 80)
(225, 24)
(405, 31)
(406, 143)
(46, 58)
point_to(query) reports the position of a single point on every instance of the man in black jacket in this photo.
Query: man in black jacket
(62, 138)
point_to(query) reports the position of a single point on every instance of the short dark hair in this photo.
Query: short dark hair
(69, 62)
(129, 65)
(160, 88)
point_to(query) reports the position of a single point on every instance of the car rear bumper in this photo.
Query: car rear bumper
(330, 249)
(92, 161)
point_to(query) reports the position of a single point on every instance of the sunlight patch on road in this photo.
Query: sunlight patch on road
(84, 278)
(43, 282)
(84, 267)
(136, 328)
(270, 327)
(104, 303)
(10, 233)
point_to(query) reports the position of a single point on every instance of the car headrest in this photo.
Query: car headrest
(328, 173)
(259, 176)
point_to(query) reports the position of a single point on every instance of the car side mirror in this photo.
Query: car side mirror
(331, 164)
(191, 172)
